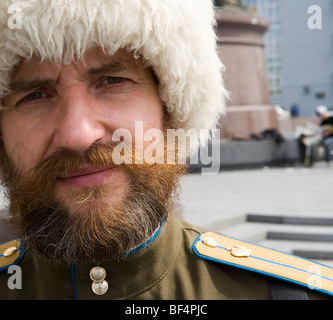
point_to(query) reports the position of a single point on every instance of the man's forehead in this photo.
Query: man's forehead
(91, 60)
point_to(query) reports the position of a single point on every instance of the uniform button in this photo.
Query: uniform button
(8, 252)
(240, 251)
(99, 287)
(210, 242)
(97, 274)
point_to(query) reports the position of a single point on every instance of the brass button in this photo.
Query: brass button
(210, 242)
(240, 251)
(97, 274)
(99, 287)
(8, 252)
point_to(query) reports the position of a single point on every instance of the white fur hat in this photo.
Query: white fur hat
(175, 37)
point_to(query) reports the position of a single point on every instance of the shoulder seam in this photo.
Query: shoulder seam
(189, 227)
(192, 229)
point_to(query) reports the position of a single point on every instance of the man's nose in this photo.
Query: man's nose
(78, 125)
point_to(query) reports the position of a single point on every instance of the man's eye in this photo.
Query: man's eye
(34, 96)
(112, 80)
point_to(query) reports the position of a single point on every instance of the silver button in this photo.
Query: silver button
(97, 274)
(99, 287)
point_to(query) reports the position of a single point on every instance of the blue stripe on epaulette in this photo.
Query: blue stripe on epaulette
(18, 260)
(259, 271)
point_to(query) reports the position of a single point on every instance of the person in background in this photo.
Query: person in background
(326, 124)
(295, 110)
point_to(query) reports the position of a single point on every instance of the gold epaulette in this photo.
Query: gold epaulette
(10, 253)
(223, 249)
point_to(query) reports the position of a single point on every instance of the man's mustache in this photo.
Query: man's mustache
(63, 163)
(39, 183)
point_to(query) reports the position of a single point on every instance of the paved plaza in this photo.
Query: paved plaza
(207, 200)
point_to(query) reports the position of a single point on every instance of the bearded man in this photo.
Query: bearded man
(95, 220)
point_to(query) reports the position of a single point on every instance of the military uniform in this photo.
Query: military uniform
(174, 264)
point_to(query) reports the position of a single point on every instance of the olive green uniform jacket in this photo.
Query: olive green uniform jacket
(165, 268)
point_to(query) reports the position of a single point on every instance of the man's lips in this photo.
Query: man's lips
(86, 177)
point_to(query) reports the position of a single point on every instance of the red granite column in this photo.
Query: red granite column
(241, 48)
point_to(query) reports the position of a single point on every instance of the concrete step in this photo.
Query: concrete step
(294, 220)
(300, 236)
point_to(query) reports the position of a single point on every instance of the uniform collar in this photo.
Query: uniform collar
(141, 270)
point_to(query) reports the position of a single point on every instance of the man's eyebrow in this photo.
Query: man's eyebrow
(29, 85)
(114, 66)
(107, 68)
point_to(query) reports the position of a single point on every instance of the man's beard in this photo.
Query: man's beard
(92, 226)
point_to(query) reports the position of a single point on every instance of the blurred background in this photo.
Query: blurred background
(274, 186)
